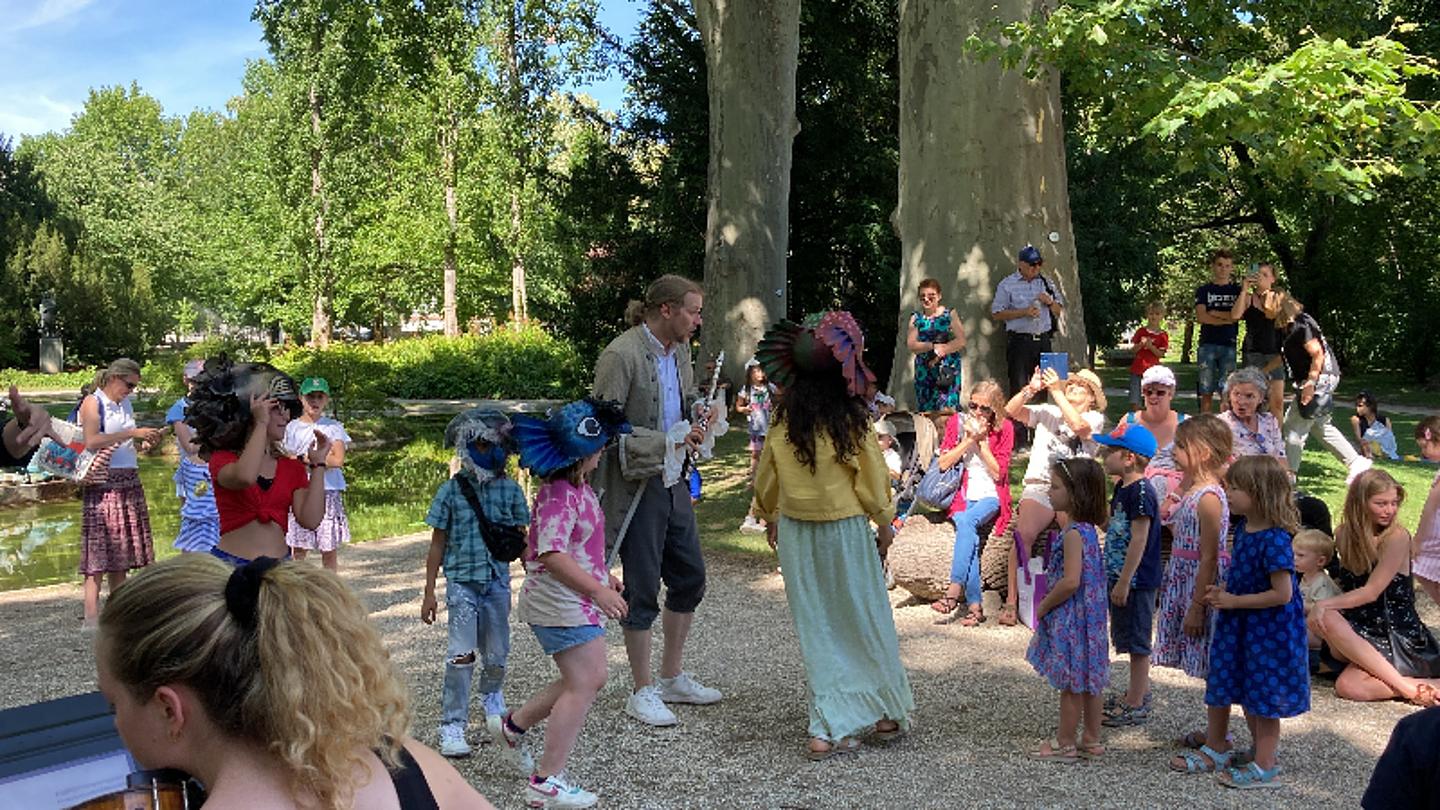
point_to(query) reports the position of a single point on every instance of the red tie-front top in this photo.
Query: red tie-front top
(238, 507)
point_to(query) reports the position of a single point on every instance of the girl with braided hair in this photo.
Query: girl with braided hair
(239, 412)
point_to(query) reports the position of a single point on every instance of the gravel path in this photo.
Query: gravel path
(979, 706)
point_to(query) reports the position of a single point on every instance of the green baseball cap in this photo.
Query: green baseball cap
(313, 384)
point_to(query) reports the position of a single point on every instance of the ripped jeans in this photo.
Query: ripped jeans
(480, 631)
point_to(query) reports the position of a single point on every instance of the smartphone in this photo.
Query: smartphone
(1060, 361)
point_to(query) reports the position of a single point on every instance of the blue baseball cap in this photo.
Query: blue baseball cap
(1133, 437)
(1031, 255)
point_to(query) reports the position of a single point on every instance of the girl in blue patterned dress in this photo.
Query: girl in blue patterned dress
(1258, 657)
(937, 339)
(1071, 647)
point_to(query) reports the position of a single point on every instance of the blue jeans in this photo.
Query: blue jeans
(965, 567)
(479, 630)
(1216, 363)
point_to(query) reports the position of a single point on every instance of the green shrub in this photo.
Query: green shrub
(507, 364)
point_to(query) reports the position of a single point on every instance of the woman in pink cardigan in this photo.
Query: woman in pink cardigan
(982, 442)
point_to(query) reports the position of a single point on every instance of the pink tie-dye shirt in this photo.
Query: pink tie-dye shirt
(567, 519)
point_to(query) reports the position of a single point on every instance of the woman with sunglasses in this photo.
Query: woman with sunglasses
(1157, 389)
(937, 338)
(982, 442)
(115, 522)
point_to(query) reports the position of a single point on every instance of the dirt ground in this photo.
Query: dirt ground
(979, 706)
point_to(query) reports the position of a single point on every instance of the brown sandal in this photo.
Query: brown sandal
(974, 618)
(1008, 616)
(945, 604)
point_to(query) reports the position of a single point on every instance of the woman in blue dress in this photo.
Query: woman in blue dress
(937, 339)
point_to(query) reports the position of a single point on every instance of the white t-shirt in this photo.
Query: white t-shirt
(978, 483)
(1055, 441)
(892, 459)
(299, 435)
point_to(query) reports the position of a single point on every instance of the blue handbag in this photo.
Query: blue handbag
(937, 488)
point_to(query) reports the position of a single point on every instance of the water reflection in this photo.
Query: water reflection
(40, 543)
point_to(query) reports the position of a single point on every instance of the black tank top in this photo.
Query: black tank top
(410, 785)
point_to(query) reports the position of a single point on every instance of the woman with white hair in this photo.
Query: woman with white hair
(1256, 430)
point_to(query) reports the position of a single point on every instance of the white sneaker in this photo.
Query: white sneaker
(646, 706)
(751, 526)
(683, 688)
(512, 747)
(452, 742)
(556, 791)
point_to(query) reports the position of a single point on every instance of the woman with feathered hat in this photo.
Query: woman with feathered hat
(820, 483)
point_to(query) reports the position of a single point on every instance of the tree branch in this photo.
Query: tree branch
(1221, 222)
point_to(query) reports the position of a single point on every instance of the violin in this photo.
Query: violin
(151, 790)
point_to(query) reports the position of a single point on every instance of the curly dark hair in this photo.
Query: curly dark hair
(219, 410)
(821, 401)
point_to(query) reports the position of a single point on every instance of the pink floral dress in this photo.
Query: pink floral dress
(1071, 647)
(1172, 647)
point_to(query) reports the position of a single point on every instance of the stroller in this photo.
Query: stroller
(916, 439)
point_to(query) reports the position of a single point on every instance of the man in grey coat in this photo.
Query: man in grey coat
(647, 369)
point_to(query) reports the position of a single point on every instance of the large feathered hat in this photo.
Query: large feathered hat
(567, 434)
(825, 341)
(486, 424)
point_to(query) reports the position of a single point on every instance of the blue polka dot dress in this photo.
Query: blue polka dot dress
(1258, 657)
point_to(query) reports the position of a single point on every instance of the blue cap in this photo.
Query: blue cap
(1133, 437)
(569, 434)
(1031, 255)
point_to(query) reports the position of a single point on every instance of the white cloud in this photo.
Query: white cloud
(18, 17)
(33, 115)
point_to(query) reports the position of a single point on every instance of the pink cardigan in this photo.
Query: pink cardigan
(1002, 443)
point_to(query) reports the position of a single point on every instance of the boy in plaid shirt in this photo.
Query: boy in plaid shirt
(477, 586)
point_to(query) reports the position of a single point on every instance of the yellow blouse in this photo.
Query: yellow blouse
(859, 486)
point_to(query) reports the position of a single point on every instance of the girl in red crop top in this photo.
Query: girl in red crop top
(256, 485)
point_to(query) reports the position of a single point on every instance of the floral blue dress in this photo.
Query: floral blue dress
(929, 395)
(1071, 647)
(1258, 657)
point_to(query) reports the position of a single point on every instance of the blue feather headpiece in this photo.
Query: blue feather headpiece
(567, 435)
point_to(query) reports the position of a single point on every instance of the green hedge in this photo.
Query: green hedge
(526, 364)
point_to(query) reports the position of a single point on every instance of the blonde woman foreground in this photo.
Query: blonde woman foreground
(269, 685)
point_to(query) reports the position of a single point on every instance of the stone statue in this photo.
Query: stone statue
(47, 315)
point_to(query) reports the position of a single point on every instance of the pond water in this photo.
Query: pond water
(40, 544)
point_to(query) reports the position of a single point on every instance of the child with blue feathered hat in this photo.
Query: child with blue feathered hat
(477, 519)
(568, 590)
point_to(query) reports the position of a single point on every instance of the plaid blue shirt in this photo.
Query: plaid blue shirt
(467, 559)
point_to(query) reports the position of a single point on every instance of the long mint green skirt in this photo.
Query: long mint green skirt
(836, 591)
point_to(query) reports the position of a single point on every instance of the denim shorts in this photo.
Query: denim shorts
(236, 561)
(1216, 362)
(1131, 626)
(1258, 360)
(555, 640)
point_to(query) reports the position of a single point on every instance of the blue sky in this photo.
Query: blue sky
(187, 53)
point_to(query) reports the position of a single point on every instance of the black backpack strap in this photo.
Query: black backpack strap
(474, 500)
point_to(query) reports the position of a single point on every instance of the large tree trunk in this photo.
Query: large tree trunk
(751, 47)
(982, 174)
(320, 272)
